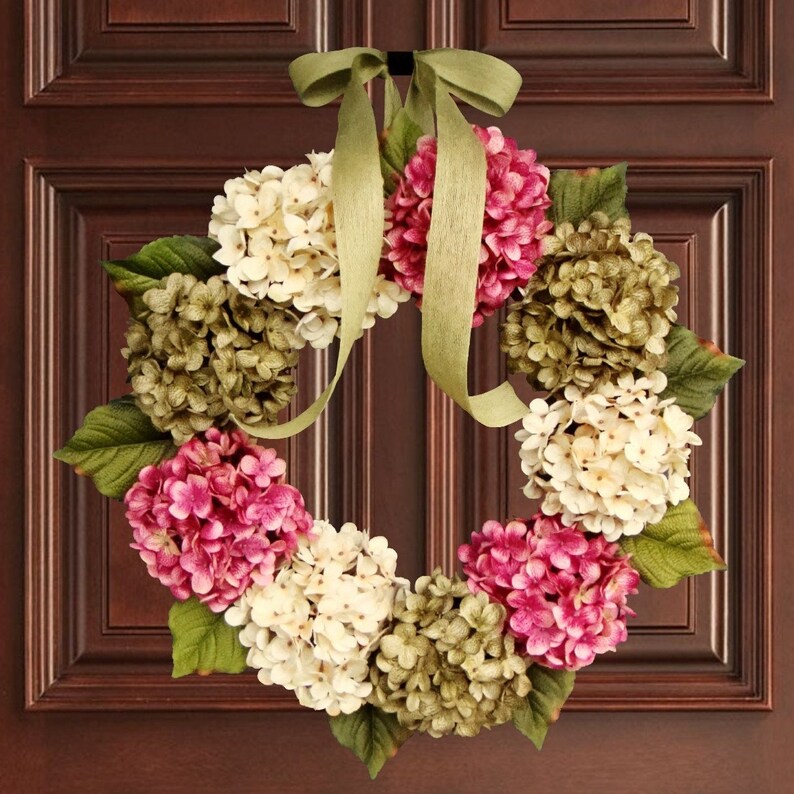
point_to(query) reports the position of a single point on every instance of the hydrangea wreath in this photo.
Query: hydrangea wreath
(216, 326)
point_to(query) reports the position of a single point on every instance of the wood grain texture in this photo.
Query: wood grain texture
(200, 12)
(127, 746)
(629, 13)
(660, 51)
(88, 52)
(91, 52)
(445, 467)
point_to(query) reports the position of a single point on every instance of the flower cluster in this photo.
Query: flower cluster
(565, 592)
(612, 459)
(600, 304)
(313, 628)
(216, 518)
(202, 353)
(278, 241)
(514, 223)
(321, 308)
(446, 665)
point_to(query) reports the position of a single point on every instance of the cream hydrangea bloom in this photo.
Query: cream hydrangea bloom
(321, 305)
(611, 460)
(312, 630)
(278, 241)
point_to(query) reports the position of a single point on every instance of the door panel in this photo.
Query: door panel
(121, 120)
(124, 52)
(676, 50)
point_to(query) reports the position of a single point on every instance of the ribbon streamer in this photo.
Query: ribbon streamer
(454, 239)
(319, 78)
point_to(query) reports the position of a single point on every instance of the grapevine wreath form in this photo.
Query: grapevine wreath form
(313, 255)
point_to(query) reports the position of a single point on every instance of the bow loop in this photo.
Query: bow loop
(479, 80)
(320, 77)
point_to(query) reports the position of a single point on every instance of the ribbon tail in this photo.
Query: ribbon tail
(453, 251)
(358, 215)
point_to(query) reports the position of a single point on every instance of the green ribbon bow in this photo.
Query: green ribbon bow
(453, 245)
(320, 78)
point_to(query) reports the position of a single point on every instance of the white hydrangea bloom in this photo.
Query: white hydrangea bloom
(313, 628)
(321, 305)
(278, 241)
(611, 460)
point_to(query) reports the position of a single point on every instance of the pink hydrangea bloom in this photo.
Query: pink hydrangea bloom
(215, 518)
(516, 199)
(565, 591)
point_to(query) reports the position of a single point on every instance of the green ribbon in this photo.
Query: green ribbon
(454, 239)
(319, 78)
(453, 245)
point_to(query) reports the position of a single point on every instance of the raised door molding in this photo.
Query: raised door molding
(188, 52)
(130, 52)
(617, 51)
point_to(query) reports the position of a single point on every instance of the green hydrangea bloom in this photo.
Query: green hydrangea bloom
(202, 353)
(446, 666)
(600, 304)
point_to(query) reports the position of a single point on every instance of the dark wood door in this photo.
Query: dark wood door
(121, 119)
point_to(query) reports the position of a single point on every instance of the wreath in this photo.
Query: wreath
(314, 254)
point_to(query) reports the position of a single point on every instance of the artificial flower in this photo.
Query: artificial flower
(612, 459)
(321, 306)
(565, 591)
(446, 665)
(313, 628)
(202, 354)
(216, 518)
(600, 304)
(278, 242)
(514, 221)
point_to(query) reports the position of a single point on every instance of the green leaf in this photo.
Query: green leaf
(678, 546)
(140, 272)
(397, 147)
(697, 371)
(115, 442)
(371, 734)
(392, 102)
(576, 195)
(203, 641)
(550, 690)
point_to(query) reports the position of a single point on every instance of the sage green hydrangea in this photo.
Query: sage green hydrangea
(599, 305)
(202, 353)
(446, 666)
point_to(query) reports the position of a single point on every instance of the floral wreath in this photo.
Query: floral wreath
(307, 255)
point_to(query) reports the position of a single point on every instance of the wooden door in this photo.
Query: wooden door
(120, 121)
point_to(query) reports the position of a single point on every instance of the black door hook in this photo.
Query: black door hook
(400, 62)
